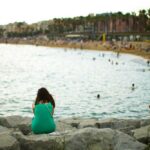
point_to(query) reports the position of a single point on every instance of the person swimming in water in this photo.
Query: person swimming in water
(98, 96)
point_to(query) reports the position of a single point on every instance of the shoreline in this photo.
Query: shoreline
(135, 48)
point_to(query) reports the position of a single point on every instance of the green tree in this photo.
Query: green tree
(142, 20)
(148, 12)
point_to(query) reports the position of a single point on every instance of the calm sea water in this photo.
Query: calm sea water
(74, 77)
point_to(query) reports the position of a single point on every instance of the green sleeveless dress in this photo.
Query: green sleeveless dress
(43, 121)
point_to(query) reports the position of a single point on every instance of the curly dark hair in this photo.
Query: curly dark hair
(44, 96)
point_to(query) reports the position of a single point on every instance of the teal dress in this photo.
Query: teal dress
(43, 121)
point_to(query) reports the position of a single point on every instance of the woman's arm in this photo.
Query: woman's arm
(52, 111)
(33, 106)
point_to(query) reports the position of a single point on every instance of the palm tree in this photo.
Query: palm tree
(148, 21)
(148, 12)
(1, 32)
(142, 20)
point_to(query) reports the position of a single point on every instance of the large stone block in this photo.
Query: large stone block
(101, 139)
(23, 123)
(8, 142)
(62, 127)
(142, 134)
(40, 141)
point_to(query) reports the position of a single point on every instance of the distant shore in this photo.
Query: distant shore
(136, 48)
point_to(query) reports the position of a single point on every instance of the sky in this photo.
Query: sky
(32, 11)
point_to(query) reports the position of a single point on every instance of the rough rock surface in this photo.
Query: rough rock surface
(142, 134)
(101, 139)
(23, 123)
(82, 139)
(8, 142)
(124, 125)
(75, 134)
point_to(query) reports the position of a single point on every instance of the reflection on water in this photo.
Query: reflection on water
(75, 79)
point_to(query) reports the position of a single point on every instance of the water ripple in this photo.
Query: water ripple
(74, 79)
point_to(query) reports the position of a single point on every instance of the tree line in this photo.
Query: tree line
(92, 24)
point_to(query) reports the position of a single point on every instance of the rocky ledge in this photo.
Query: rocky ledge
(76, 134)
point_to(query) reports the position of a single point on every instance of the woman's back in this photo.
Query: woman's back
(43, 121)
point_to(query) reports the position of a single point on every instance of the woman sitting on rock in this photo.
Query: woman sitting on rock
(43, 110)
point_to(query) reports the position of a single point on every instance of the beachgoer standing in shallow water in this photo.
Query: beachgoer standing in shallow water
(133, 86)
(43, 110)
(118, 54)
(148, 62)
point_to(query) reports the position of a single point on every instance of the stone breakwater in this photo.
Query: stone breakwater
(76, 134)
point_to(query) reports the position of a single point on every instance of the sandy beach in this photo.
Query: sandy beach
(136, 48)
